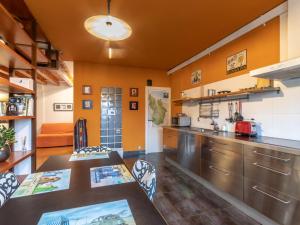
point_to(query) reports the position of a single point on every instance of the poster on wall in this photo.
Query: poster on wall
(196, 77)
(237, 62)
(61, 107)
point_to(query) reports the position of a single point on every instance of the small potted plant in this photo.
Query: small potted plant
(7, 138)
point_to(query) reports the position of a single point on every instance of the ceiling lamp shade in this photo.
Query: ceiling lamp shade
(108, 28)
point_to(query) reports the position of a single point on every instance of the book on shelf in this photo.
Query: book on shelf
(20, 105)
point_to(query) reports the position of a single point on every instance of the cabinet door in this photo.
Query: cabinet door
(222, 179)
(189, 153)
(170, 143)
(273, 169)
(276, 205)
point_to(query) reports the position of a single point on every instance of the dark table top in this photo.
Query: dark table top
(28, 210)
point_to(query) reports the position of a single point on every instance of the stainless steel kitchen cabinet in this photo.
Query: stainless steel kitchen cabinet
(189, 151)
(222, 165)
(272, 184)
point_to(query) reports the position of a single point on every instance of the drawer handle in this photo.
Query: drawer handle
(270, 169)
(272, 196)
(270, 156)
(218, 170)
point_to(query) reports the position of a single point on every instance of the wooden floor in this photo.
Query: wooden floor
(180, 199)
(42, 154)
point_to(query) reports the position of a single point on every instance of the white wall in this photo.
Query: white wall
(278, 115)
(47, 95)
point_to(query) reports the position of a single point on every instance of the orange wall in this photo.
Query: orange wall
(99, 76)
(262, 46)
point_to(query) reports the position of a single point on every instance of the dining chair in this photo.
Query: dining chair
(145, 173)
(93, 149)
(8, 185)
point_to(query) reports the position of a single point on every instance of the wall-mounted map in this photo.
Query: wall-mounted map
(158, 107)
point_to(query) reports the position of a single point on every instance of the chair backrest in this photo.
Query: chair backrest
(145, 173)
(93, 149)
(57, 128)
(8, 185)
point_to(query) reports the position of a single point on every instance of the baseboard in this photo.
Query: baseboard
(133, 154)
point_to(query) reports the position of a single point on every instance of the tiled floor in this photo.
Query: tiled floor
(183, 201)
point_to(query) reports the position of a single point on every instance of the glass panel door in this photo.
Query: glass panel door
(111, 117)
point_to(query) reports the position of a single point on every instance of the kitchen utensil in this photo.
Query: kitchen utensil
(240, 117)
(230, 112)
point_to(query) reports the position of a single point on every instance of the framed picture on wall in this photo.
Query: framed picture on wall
(134, 92)
(196, 77)
(87, 104)
(236, 62)
(61, 107)
(133, 105)
(86, 89)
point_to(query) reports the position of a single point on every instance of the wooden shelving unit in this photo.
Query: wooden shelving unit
(14, 34)
(15, 158)
(19, 54)
(4, 118)
(7, 86)
(244, 94)
(11, 59)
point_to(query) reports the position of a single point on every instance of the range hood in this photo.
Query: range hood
(285, 70)
(289, 67)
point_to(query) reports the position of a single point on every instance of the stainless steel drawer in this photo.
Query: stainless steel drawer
(228, 160)
(189, 151)
(276, 159)
(219, 144)
(275, 205)
(222, 179)
(264, 172)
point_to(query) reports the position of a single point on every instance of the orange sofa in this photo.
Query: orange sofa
(55, 135)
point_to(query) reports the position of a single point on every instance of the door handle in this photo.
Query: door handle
(270, 169)
(271, 196)
(219, 171)
(270, 156)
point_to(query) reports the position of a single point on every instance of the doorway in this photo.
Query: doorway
(158, 114)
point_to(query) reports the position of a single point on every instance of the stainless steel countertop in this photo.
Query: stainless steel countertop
(278, 144)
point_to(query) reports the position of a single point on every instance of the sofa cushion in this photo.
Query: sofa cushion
(56, 128)
(54, 140)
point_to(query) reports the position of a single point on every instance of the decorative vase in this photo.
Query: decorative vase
(4, 153)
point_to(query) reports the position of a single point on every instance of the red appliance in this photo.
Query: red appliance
(247, 128)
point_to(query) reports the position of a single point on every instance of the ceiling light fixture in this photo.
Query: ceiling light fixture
(108, 27)
(109, 53)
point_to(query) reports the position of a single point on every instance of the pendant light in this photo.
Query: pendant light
(108, 27)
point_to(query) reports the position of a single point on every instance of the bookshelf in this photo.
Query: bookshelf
(19, 54)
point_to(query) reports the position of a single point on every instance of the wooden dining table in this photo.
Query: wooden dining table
(28, 210)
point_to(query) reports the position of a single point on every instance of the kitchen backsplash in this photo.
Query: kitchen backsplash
(277, 115)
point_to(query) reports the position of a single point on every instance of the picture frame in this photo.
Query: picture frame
(196, 77)
(133, 105)
(87, 104)
(134, 92)
(236, 62)
(62, 107)
(87, 89)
